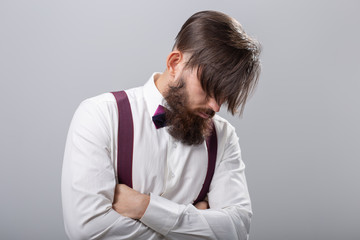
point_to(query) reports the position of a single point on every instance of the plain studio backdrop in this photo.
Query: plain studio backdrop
(299, 134)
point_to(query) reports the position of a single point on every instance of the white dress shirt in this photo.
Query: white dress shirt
(171, 172)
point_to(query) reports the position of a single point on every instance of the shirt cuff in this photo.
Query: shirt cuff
(161, 214)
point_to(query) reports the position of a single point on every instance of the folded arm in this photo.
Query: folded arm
(230, 209)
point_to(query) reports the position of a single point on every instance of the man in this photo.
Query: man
(213, 62)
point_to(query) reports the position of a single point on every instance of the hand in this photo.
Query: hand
(202, 205)
(130, 203)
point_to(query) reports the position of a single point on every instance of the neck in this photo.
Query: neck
(162, 82)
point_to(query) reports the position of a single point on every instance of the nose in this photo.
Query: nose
(214, 105)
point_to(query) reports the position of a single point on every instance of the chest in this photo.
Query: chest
(158, 163)
(164, 166)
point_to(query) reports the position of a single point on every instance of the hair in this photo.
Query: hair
(225, 57)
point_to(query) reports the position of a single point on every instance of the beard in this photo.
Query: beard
(183, 124)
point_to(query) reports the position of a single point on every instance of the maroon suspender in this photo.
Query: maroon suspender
(211, 144)
(126, 141)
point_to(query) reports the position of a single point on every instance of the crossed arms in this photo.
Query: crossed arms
(95, 207)
(131, 203)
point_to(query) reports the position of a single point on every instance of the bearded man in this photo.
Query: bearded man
(166, 167)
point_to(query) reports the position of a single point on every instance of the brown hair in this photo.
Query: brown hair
(226, 58)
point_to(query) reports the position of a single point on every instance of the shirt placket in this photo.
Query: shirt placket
(171, 177)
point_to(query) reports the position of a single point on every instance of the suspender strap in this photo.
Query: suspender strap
(211, 144)
(125, 139)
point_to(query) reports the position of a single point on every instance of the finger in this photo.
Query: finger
(202, 205)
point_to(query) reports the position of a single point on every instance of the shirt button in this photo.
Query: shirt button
(175, 144)
(172, 174)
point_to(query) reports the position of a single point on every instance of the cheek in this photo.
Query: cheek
(197, 100)
(196, 95)
(200, 96)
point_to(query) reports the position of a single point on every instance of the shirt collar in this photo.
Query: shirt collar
(152, 95)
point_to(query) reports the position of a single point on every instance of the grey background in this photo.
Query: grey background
(299, 135)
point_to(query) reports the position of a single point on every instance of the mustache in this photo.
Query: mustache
(210, 112)
(206, 111)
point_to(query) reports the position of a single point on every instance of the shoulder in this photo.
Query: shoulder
(225, 131)
(101, 99)
(99, 105)
(95, 110)
(222, 125)
(106, 101)
(103, 107)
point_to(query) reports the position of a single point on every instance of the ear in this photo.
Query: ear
(174, 62)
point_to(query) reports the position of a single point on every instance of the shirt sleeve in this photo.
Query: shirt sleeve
(230, 207)
(88, 181)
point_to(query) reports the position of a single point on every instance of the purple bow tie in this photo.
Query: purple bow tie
(159, 117)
